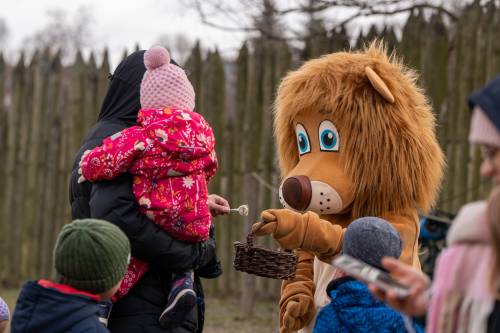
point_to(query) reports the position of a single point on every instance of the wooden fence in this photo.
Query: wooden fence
(49, 107)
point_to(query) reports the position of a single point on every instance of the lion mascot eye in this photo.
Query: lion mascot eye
(302, 140)
(328, 136)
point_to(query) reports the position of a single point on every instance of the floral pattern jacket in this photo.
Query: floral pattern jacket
(171, 153)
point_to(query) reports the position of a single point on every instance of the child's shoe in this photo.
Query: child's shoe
(181, 300)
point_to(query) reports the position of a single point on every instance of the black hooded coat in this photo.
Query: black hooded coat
(114, 201)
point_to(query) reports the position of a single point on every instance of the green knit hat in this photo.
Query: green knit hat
(91, 255)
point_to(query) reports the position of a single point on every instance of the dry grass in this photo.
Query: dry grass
(223, 315)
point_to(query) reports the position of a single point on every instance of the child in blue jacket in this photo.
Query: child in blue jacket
(91, 257)
(352, 307)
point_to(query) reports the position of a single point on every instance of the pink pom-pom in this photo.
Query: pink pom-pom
(155, 57)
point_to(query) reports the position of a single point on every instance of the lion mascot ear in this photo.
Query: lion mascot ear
(379, 85)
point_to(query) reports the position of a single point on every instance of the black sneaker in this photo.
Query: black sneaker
(181, 300)
(104, 311)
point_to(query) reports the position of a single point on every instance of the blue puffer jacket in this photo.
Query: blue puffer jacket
(354, 309)
(48, 310)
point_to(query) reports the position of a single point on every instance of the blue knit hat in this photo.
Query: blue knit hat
(369, 239)
(488, 99)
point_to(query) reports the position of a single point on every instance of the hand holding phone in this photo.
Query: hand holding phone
(369, 274)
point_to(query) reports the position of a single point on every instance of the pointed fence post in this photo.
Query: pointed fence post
(339, 41)
(12, 274)
(3, 150)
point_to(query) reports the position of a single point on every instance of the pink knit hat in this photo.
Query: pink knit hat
(482, 130)
(164, 84)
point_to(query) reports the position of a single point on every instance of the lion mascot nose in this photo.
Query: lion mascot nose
(297, 192)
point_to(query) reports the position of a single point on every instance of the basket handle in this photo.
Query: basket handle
(251, 235)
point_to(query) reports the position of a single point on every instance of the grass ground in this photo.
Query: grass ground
(223, 315)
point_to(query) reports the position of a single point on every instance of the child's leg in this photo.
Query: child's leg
(181, 299)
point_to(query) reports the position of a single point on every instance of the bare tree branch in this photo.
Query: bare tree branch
(63, 33)
(371, 12)
(203, 16)
(251, 29)
(370, 6)
(253, 8)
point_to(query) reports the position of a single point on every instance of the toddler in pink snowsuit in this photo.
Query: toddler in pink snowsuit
(171, 155)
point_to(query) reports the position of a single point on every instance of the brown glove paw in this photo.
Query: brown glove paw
(286, 227)
(298, 312)
(267, 226)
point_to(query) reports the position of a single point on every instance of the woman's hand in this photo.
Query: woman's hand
(217, 205)
(81, 178)
(417, 302)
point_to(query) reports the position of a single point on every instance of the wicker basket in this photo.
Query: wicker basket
(264, 262)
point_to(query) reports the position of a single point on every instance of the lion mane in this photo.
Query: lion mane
(391, 153)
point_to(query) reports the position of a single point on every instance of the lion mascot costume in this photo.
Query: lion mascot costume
(356, 137)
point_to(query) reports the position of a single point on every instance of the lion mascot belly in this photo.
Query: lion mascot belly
(355, 137)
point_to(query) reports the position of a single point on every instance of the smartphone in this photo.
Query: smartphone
(369, 274)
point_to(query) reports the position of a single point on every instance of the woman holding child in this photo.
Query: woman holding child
(114, 201)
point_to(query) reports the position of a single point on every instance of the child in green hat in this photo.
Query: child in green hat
(90, 259)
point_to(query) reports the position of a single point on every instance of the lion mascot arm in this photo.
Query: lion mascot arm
(305, 231)
(315, 237)
(308, 232)
(297, 296)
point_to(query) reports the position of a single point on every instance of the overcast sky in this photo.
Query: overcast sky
(117, 24)
(121, 24)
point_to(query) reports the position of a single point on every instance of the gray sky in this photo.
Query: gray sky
(120, 24)
(117, 24)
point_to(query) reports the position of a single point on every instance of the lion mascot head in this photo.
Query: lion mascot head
(356, 137)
